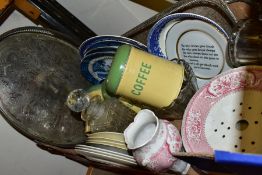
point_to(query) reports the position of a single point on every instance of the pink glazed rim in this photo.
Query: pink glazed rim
(193, 124)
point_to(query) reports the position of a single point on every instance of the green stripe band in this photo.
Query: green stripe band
(117, 68)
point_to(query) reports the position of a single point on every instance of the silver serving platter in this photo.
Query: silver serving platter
(38, 69)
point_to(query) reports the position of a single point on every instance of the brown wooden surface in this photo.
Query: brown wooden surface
(241, 10)
(213, 9)
(157, 5)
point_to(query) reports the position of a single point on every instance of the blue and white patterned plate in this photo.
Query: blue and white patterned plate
(97, 54)
(102, 43)
(163, 25)
(101, 49)
(95, 67)
(108, 40)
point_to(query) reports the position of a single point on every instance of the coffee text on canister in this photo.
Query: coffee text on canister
(141, 79)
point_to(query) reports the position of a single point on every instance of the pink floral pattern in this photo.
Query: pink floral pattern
(235, 80)
(173, 138)
(193, 127)
(153, 150)
(162, 159)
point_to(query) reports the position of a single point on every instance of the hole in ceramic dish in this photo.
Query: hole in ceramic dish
(243, 150)
(256, 122)
(215, 130)
(223, 136)
(242, 125)
(249, 107)
(236, 146)
(253, 143)
(240, 137)
(234, 110)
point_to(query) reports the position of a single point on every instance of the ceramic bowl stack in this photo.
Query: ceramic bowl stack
(97, 54)
(106, 147)
(112, 139)
(194, 38)
(106, 156)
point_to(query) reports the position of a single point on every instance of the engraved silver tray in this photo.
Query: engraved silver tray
(38, 69)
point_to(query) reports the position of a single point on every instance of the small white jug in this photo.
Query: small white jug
(154, 142)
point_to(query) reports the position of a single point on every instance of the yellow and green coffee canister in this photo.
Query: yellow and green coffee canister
(143, 77)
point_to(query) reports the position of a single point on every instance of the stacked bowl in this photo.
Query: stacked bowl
(97, 54)
(111, 139)
(108, 148)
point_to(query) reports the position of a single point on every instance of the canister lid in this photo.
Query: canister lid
(117, 68)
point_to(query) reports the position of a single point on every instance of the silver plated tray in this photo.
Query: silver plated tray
(38, 69)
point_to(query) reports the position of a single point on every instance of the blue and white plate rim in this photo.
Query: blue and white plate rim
(88, 74)
(154, 33)
(109, 38)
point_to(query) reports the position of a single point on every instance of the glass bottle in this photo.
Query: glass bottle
(100, 90)
(245, 44)
(100, 115)
(165, 86)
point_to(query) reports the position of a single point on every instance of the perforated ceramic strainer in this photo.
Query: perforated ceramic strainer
(226, 114)
(234, 123)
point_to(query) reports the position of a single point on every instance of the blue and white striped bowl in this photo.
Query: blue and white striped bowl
(98, 52)
(108, 41)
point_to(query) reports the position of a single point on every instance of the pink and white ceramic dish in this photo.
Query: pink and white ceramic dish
(226, 114)
(154, 142)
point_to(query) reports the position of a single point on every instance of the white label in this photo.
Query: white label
(202, 52)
